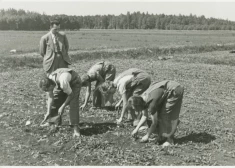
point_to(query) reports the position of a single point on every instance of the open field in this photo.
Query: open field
(24, 41)
(206, 134)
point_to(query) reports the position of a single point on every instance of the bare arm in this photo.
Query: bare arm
(153, 110)
(49, 104)
(88, 93)
(142, 120)
(119, 103)
(152, 128)
(124, 108)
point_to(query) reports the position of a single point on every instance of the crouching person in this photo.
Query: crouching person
(163, 101)
(99, 73)
(69, 81)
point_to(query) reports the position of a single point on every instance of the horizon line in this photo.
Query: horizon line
(41, 13)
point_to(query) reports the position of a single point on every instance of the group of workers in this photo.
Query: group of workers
(140, 97)
(161, 100)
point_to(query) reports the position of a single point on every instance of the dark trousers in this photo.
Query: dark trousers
(97, 96)
(59, 99)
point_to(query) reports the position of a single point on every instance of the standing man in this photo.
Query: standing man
(54, 48)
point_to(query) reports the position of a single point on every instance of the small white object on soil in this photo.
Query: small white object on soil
(135, 123)
(166, 144)
(13, 51)
(28, 123)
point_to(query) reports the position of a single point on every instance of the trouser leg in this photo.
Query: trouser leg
(97, 97)
(74, 107)
(59, 99)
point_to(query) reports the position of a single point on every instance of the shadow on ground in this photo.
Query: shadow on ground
(202, 137)
(89, 129)
(109, 108)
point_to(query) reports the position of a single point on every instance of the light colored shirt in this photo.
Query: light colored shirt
(121, 83)
(53, 37)
(63, 80)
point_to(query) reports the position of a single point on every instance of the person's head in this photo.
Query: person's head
(107, 67)
(55, 25)
(137, 103)
(85, 80)
(46, 84)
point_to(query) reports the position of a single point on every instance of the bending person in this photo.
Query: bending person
(100, 72)
(70, 83)
(130, 82)
(163, 101)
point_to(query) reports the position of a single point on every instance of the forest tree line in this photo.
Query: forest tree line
(12, 19)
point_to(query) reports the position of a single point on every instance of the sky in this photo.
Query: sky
(217, 8)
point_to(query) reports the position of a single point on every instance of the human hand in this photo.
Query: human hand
(61, 111)
(119, 121)
(45, 118)
(144, 138)
(134, 133)
(82, 107)
(117, 106)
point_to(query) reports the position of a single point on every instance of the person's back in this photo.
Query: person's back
(63, 74)
(103, 68)
(127, 72)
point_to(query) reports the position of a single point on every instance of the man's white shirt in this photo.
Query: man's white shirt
(64, 80)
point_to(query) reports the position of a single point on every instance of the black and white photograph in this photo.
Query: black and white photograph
(117, 83)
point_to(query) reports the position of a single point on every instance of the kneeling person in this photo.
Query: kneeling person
(69, 81)
(163, 101)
